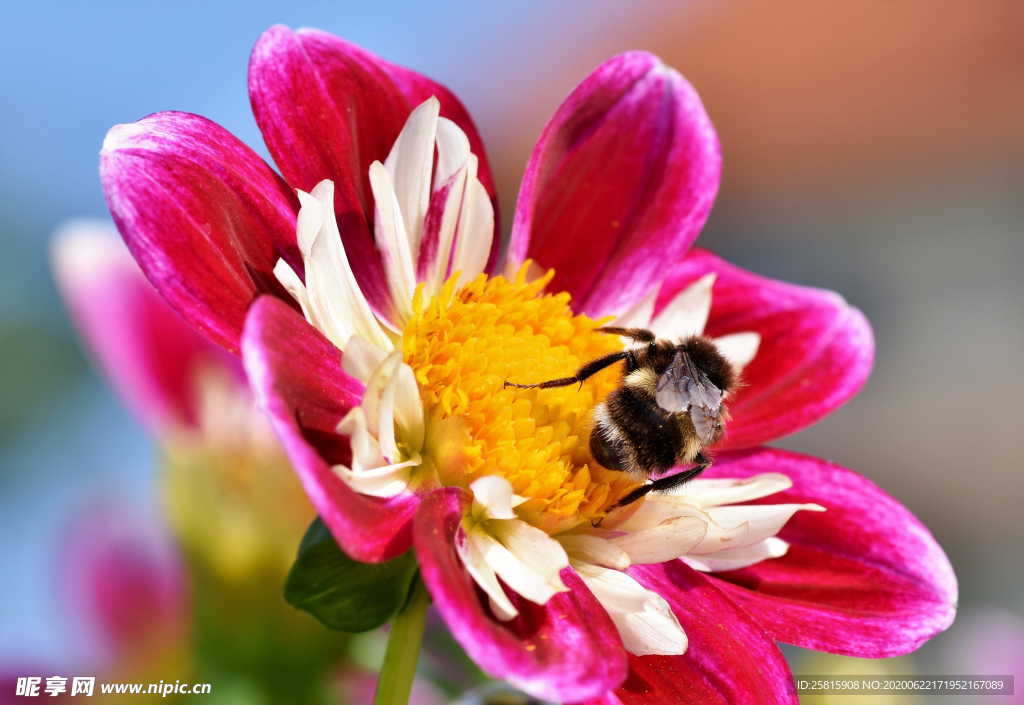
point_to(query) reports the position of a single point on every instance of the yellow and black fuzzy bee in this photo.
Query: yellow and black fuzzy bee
(668, 409)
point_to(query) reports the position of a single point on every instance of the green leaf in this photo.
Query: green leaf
(341, 592)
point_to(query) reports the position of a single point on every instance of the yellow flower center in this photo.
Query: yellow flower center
(464, 344)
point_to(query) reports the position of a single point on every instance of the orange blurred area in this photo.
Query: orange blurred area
(810, 99)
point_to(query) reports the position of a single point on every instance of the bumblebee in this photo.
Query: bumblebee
(668, 409)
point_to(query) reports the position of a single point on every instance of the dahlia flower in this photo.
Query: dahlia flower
(377, 323)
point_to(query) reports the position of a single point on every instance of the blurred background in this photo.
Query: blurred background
(873, 148)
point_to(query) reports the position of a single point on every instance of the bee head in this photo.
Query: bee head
(705, 355)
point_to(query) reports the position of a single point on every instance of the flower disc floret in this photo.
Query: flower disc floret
(463, 344)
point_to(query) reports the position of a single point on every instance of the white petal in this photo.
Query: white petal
(478, 568)
(666, 541)
(494, 493)
(452, 151)
(386, 419)
(739, 348)
(513, 569)
(337, 304)
(713, 492)
(370, 473)
(538, 551)
(639, 316)
(410, 164)
(365, 449)
(292, 283)
(375, 385)
(736, 558)
(436, 272)
(393, 240)
(309, 223)
(380, 481)
(744, 525)
(654, 509)
(475, 229)
(645, 622)
(586, 548)
(361, 358)
(409, 407)
(687, 313)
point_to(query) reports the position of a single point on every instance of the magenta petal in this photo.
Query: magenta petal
(630, 165)
(863, 578)
(205, 217)
(430, 243)
(816, 350)
(122, 577)
(147, 351)
(296, 375)
(567, 650)
(327, 110)
(730, 660)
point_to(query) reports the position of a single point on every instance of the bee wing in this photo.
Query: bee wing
(705, 402)
(673, 390)
(705, 423)
(683, 387)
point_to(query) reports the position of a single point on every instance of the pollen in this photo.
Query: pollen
(464, 343)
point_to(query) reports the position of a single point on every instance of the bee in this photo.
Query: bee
(669, 408)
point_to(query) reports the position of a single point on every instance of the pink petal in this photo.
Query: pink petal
(327, 109)
(730, 660)
(149, 353)
(566, 650)
(430, 244)
(815, 353)
(123, 578)
(205, 217)
(863, 578)
(297, 378)
(620, 182)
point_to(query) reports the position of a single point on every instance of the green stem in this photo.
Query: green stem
(399, 669)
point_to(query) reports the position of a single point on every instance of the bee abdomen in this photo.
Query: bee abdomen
(632, 432)
(607, 443)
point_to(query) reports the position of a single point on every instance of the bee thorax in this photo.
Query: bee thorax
(644, 379)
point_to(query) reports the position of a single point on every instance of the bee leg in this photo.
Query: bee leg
(639, 334)
(666, 483)
(589, 369)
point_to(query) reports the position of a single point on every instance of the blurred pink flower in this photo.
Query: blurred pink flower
(149, 354)
(406, 438)
(226, 485)
(124, 581)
